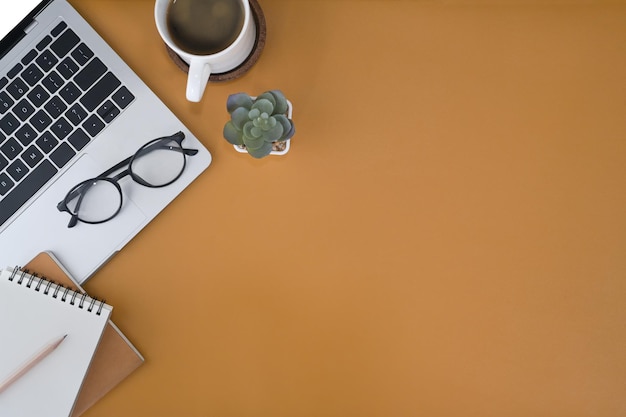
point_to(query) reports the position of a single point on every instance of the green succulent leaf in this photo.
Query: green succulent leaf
(268, 96)
(269, 123)
(264, 106)
(264, 122)
(281, 106)
(253, 143)
(239, 117)
(274, 133)
(290, 133)
(256, 132)
(247, 129)
(238, 100)
(264, 150)
(285, 122)
(254, 113)
(232, 134)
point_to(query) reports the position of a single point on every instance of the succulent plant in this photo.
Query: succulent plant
(257, 123)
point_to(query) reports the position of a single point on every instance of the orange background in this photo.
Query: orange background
(446, 236)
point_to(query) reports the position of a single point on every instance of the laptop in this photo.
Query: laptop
(70, 109)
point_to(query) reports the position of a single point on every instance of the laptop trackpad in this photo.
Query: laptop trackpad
(83, 248)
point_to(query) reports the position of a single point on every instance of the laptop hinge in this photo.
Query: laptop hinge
(30, 27)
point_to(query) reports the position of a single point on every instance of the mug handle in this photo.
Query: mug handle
(197, 78)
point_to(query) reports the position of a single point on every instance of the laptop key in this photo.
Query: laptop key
(3, 162)
(47, 142)
(28, 58)
(26, 134)
(44, 42)
(82, 54)
(32, 156)
(123, 97)
(62, 155)
(53, 82)
(65, 43)
(17, 170)
(56, 31)
(106, 107)
(76, 114)
(90, 74)
(40, 121)
(67, 68)
(32, 74)
(100, 91)
(55, 107)
(23, 109)
(46, 60)
(70, 92)
(5, 184)
(61, 128)
(93, 125)
(38, 96)
(110, 114)
(19, 195)
(9, 123)
(15, 70)
(11, 148)
(79, 139)
(17, 88)
(5, 102)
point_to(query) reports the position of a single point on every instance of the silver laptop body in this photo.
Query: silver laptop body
(118, 116)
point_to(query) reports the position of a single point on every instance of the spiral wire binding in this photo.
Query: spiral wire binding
(20, 276)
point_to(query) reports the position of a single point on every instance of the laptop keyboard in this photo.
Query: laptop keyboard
(52, 104)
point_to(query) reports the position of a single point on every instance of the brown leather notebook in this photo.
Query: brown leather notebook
(115, 357)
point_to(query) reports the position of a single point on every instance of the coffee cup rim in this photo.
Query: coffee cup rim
(161, 24)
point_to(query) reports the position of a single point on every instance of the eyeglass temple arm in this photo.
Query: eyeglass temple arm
(178, 137)
(62, 206)
(160, 144)
(157, 146)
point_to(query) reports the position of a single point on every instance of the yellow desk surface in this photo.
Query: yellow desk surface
(446, 236)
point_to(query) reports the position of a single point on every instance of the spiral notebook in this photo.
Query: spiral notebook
(34, 311)
(116, 357)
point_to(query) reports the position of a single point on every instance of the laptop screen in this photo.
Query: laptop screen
(14, 13)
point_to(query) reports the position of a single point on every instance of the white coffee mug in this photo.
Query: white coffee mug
(201, 66)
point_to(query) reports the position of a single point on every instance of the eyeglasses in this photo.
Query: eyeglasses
(156, 164)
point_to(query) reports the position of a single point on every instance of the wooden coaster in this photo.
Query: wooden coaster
(259, 44)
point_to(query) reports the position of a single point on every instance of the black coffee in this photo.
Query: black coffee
(204, 27)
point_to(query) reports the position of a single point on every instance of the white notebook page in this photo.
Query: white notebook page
(30, 319)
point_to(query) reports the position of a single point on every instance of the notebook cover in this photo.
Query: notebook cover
(115, 357)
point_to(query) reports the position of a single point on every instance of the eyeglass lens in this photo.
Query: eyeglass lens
(94, 200)
(158, 163)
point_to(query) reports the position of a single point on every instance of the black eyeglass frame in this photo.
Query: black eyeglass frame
(82, 187)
